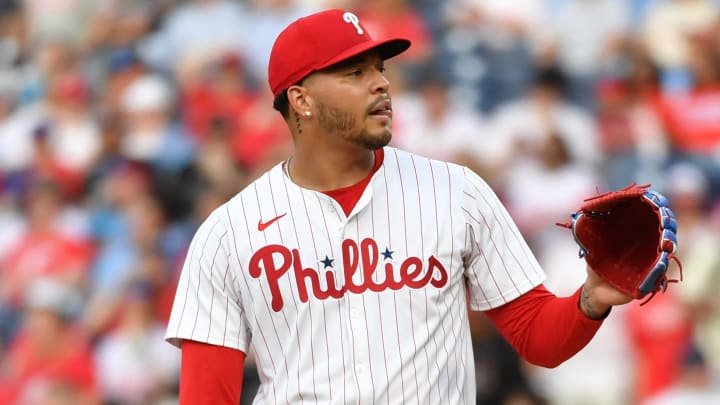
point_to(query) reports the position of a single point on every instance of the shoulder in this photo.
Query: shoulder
(512, 110)
(260, 186)
(460, 179)
(402, 160)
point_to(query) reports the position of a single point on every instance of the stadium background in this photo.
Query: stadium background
(123, 123)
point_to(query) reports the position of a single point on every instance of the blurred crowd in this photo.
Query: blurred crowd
(123, 123)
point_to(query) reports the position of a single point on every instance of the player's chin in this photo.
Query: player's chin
(378, 123)
(377, 139)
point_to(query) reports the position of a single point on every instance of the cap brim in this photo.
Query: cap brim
(387, 49)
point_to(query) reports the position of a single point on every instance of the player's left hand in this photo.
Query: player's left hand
(598, 296)
(628, 239)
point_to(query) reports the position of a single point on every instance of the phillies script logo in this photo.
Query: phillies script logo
(277, 260)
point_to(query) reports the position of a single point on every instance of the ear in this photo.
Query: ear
(299, 99)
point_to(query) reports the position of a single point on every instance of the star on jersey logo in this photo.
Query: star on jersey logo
(328, 262)
(387, 254)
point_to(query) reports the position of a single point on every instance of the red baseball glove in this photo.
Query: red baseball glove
(628, 237)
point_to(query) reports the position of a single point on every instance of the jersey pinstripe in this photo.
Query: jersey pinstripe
(365, 309)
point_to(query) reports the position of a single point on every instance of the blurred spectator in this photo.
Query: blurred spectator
(12, 228)
(45, 249)
(581, 44)
(499, 374)
(694, 386)
(58, 20)
(632, 136)
(660, 335)
(151, 134)
(109, 158)
(427, 122)
(393, 19)
(110, 228)
(528, 181)
(221, 105)
(136, 240)
(692, 119)
(264, 21)
(11, 54)
(134, 364)
(12, 224)
(122, 68)
(714, 32)
(525, 124)
(121, 23)
(47, 166)
(264, 139)
(65, 105)
(487, 49)
(216, 162)
(51, 58)
(56, 138)
(49, 359)
(74, 138)
(503, 17)
(12, 38)
(8, 97)
(668, 25)
(221, 94)
(325, 4)
(687, 189)
(194, 32)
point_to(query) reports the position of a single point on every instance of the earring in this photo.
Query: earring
(308, 113)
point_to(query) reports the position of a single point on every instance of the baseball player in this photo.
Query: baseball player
(347, 268)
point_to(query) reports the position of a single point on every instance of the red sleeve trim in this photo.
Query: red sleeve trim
(210, 374)
(544, 329)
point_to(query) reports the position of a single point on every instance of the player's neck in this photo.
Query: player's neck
(317, 169)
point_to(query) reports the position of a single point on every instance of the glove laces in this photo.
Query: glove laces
(663, 281)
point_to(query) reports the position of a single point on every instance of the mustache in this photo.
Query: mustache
(376, 103)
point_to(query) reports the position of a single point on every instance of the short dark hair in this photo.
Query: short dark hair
(282, 104)
(281, 101)
(551, 76)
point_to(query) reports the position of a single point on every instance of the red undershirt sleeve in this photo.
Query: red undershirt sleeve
(210, 374)
(544, 329)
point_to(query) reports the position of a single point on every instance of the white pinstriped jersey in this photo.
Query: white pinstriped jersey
(364, 309)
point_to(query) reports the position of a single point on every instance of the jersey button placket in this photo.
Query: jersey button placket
(359, 340)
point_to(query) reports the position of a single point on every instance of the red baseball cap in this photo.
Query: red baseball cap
(321, 40)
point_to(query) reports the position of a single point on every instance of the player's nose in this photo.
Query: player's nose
(380, 83)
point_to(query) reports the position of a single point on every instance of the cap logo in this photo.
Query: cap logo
(351, 18)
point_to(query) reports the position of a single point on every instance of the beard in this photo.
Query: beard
(335, 120)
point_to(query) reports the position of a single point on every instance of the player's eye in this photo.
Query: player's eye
(356, 72)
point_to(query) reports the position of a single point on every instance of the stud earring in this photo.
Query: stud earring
(308, 113)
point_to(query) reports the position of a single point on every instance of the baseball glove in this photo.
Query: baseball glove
(628, 237)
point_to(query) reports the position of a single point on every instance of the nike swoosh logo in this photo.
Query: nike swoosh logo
(263, 225)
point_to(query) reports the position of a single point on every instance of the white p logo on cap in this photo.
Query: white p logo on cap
(351, 18)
